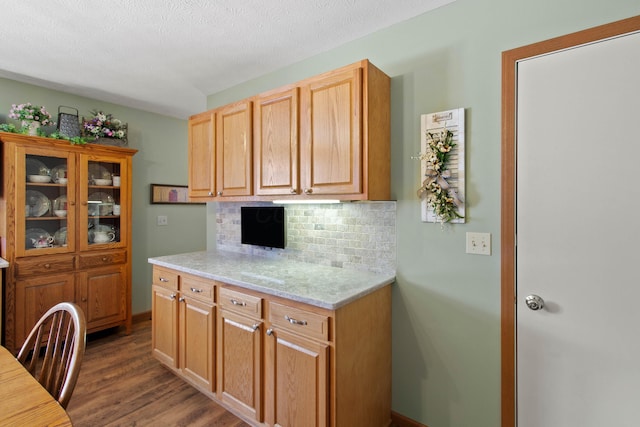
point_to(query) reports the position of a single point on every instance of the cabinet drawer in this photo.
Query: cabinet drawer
(44, 265)
(165, 278)
(299, 321)
(240, 302)
(103, 258)
(197, 288)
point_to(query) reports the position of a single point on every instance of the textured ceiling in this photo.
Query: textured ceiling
(166, 56)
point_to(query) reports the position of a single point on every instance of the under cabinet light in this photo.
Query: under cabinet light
(305, 201)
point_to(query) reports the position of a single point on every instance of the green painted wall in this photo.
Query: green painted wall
(446, 312)
(162, 158)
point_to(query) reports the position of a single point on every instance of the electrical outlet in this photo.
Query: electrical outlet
(162, 220)
(479, 243)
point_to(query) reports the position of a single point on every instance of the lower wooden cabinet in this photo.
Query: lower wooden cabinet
(277, 362)
(164, 325)
(33, 293)
(297, 377)
(240, 364)
(102, 295)
(196, 326)
(183, 326)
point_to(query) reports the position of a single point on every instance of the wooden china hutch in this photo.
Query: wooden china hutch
(65, 229)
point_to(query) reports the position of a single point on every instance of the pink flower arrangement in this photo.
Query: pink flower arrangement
(30, 113)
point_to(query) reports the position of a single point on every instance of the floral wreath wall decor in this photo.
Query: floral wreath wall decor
(442, 167)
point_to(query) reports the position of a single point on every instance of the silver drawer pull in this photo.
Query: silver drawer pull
(172, 296)
(196, 290)
(162, 279)
(236, 302)
(295, 321)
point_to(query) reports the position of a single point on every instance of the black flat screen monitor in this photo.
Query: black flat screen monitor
(263, 226)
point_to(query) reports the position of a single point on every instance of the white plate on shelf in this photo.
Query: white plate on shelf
(100, 203)
(59, 172)
(60, 203)
(36, 167)
(36, 234)
(97, 171)
(60, 237)
(38, 203)
(39, 178)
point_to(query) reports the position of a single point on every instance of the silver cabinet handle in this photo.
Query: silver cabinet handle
(255, 326)
(236, 302)
(181, 299)
(295, 321)
(534, 302)
(269, 331)
(196, 290)
(210, 193)
(219, 193)
(294, 191)
(308, 191)
(172, 296)
(162, 279)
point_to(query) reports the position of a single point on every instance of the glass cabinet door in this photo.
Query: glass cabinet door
(102, 192)
(45, 202)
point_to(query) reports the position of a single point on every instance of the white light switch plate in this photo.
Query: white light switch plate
(162, 220)
(479, 243)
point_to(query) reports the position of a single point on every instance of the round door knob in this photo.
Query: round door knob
(534, 302)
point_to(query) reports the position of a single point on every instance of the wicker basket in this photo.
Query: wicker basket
(111, 141)
(118, 142)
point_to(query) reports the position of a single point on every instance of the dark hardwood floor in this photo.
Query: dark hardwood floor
(120, 384)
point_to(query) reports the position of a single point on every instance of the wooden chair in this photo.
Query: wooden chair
(54, 349)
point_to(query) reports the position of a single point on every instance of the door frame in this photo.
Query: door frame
(510, 60)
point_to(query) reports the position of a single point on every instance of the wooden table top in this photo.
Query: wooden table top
(23, 401)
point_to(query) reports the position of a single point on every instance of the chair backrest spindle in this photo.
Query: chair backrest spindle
(53, 351)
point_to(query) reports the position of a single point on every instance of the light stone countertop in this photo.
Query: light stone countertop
(318, 285)
(3, 263)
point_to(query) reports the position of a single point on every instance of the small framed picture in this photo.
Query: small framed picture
(170, 194)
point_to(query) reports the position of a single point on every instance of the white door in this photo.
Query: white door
(578, 236)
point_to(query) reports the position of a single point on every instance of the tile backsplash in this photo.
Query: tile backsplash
(357, 235)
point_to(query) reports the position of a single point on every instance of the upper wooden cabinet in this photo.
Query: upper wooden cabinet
(233, 150)
(275, 143)
(324, 137)
(202, 155)
(331, 133)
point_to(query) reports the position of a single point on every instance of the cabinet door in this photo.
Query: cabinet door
(239, 364)
(102, 294)
(202, 155)
(164, 325)
(34, 296)
(105, 206)
(331, 140)
(297, 381)
(233, 150)
(275, 142)
(45, 201)
(197, 337)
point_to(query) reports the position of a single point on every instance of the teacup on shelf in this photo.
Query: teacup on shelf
(60, 212)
